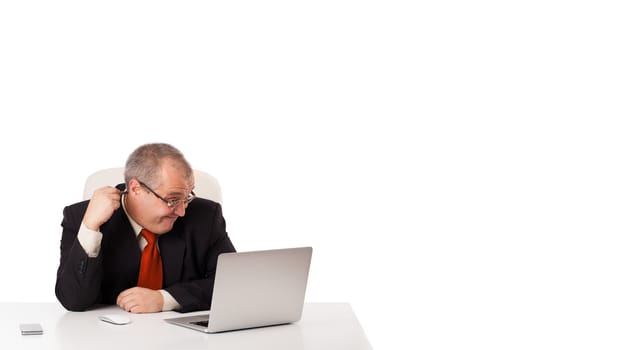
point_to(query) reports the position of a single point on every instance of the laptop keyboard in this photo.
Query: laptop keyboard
(201, 323)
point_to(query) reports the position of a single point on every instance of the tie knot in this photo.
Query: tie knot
(149, 236)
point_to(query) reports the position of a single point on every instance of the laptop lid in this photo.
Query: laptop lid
(256, 289)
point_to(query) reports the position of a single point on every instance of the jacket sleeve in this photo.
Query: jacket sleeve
(79, 277)
(196, 294)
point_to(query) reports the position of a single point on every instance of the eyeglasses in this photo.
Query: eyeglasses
(171, 203)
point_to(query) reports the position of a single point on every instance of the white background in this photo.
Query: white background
(457, 165)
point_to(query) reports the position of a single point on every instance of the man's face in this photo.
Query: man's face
(152, 212)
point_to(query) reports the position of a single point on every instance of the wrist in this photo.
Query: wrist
(93, 226)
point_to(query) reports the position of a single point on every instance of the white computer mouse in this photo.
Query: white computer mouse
(115, 318)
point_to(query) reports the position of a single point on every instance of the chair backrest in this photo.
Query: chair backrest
(206, 185)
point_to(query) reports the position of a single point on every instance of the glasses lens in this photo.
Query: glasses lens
(175, 202)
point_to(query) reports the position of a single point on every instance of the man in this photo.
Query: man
(147, 245)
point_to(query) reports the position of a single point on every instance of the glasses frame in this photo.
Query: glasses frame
(173, 203)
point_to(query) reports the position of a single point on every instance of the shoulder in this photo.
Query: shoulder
(202, 206)
(73, 214)
(201, 213)
(76, 209)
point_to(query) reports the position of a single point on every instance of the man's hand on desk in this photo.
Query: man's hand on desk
(140, 300)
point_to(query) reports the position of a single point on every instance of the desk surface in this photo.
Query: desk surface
(322, 326)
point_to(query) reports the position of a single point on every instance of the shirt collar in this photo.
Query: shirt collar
(136, 227)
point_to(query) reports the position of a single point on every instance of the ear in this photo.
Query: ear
(134, 186)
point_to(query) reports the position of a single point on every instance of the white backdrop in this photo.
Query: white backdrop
(457, 166)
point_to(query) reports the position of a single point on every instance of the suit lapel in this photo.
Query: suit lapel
(172, 249)
(121, 247)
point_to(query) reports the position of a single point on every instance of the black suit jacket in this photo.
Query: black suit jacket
(189, 254)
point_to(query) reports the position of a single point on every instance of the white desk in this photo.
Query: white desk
(323, 326)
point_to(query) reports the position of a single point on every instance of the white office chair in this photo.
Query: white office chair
(206, 185)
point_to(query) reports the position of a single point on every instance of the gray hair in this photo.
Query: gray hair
(145, 162)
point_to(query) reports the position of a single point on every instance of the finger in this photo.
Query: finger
(122, 295)
(121, 304)
(129, 307)
(121, 301)
(108, 193)
(114, 197)
(127, 303)
(125, 294)
(116, 203)
(106, 190)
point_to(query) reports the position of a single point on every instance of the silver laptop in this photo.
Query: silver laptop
(255, 289)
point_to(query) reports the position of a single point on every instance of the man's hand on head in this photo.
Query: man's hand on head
(103, 204)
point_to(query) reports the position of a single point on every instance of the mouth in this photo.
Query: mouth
(168, 219)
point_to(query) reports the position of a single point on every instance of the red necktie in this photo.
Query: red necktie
(150, 272)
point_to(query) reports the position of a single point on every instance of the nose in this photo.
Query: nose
(180, 210)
